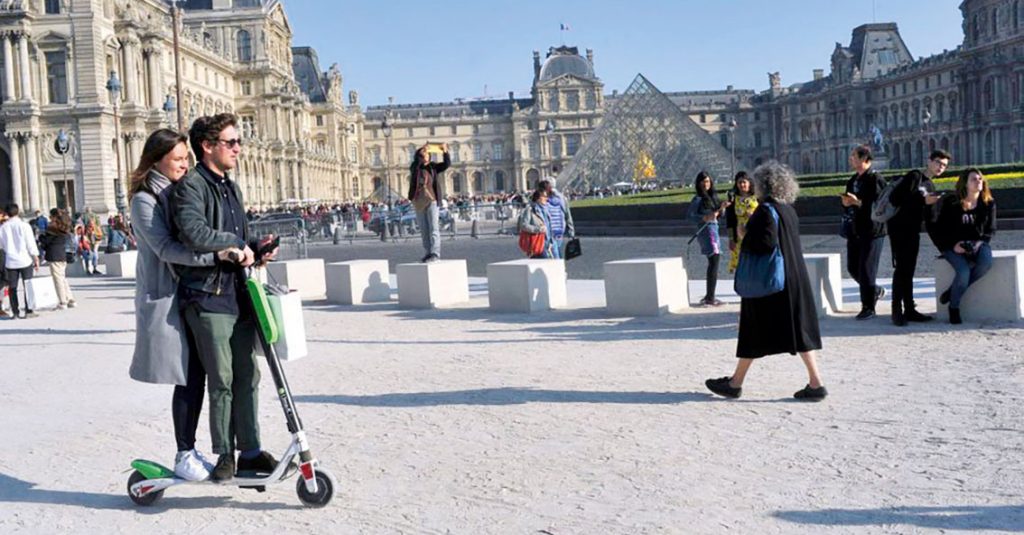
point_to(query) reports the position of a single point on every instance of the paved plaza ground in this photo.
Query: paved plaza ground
(566, 422)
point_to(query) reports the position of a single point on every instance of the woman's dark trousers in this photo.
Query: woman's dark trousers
(187, 402)
(862, 256)
(712, 276)
(905, 249)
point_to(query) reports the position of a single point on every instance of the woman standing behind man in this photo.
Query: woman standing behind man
(705, 210)
(164, 353)
(962, 231)
(786, 321)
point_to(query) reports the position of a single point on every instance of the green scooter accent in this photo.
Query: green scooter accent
(264, 316)
(152, 470)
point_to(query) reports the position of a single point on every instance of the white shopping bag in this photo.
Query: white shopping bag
(291, 342)
(40, 293)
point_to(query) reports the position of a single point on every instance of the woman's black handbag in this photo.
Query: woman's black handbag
(573, 249)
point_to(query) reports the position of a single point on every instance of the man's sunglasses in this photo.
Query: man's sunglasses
(231, 142)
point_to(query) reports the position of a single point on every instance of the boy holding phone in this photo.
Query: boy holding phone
(209, 213)
(914, 196)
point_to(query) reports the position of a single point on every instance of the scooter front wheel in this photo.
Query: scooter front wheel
(146, 500)
(325, 484)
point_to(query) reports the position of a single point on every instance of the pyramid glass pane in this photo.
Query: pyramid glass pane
(644, 136)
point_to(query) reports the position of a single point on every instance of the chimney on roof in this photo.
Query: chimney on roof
(728, 88)
(819, 74)
(590, 57)
(536, 65)
(511, 95)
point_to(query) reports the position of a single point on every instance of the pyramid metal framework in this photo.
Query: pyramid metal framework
(643, 128)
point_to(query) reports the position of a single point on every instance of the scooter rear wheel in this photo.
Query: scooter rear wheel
(325, 490)
(146, 500)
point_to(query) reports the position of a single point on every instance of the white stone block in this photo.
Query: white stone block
(433, 285)
(999, 295)
(825, 273)
(120, 264)
(76, 269)
(305, 276)
(358, 281)
(527, 285)
(645, 286)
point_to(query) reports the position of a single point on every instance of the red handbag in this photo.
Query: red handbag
(531, 244)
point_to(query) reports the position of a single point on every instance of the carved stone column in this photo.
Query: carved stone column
(130, 77)
(8, 67)
(14, 138)
(25, 67)
(32, 173)
(156, 89)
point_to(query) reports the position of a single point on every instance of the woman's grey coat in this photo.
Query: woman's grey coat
(161, 350)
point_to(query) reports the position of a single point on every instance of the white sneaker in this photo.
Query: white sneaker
(188, 466)
(202, 458)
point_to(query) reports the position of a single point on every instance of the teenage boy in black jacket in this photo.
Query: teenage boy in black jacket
(864, 239)
(209, 214)
(914, 196)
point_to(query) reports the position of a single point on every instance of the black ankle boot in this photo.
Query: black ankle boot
(954, 316)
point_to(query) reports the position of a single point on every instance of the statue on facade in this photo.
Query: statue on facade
(877, 140)
(775, 80)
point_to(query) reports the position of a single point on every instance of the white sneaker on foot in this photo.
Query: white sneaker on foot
(202, 459)
(188, 466)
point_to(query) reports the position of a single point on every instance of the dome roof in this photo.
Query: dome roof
(566, 60)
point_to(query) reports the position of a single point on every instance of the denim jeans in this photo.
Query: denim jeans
(430, 232)
(558, 248)
(967, 271)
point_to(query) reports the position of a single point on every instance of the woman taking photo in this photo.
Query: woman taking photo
(163, 352)
(962, 231)
(705, 210)
(786, 321)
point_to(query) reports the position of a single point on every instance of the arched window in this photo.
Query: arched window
(989, 98)
(499, 181)
(244, 40)
(478, 182)
(456, 183)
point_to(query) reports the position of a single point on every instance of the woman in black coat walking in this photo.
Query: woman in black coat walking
(786, 321)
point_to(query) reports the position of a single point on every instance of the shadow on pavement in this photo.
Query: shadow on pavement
(506, 396)
(1008, 518)
(13, 490)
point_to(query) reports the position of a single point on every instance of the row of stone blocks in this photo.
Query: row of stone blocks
(635, 287)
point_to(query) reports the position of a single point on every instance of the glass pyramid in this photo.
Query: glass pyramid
(644, 136)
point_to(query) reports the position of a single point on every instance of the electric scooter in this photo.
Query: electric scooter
(315, 487)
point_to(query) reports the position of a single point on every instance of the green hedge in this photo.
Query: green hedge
(810, 186)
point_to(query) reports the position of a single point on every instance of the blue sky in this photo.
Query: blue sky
(437, 51)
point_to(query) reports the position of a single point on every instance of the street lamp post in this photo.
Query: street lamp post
(549, 128)
(63, 146)
(175, 21)
(732, 132)
(114, 88)
(385, 128)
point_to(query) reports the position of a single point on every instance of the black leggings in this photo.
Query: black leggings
(712, 276)
(187, 402)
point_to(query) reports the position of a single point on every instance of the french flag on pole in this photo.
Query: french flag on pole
(564, 27)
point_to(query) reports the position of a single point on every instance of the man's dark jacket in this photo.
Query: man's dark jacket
(197, 217)
(434, 168)
(866, 187)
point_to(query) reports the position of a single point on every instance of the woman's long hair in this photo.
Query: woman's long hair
(60, 223)
(708, 198)
(961, 187)
(157, 146)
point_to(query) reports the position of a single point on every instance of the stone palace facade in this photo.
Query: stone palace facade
(306, 140)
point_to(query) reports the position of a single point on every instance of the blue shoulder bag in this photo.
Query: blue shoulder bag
(761, 275)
